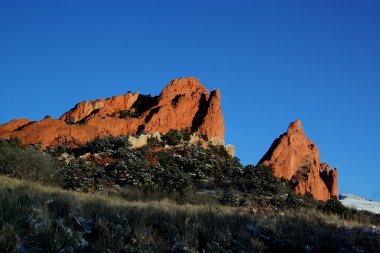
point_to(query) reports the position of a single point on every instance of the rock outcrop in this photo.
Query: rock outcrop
(101, 107)
(294, 157)
(183, 104)
(13, 125)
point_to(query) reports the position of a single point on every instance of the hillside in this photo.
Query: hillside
(183, 105)
(167, 196)
(53, 220)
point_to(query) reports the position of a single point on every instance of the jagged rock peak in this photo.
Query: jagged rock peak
(296, 158)
(181, 86)
(295, 127)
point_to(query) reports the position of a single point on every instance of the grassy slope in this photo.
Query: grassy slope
(49, 219)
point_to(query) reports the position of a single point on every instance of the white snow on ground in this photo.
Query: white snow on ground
(359, 203)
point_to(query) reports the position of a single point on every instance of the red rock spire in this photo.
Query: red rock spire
(294, 157)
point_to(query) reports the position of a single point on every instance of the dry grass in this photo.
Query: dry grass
(50, 219)
(113, 201)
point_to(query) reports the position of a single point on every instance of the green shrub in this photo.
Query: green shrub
(204, 137)
(227, 167)
(106, 145)
(229, 197)
(56, 151)
(293, 201)
(27, 163)
(173, 180)
(70, 121)
(127, 114)
(154, 142)
(131, 168)
(80, 175)
(12, 143)
(133, 172)
(193, 160)
(259, 180)
(334, 206)
(166, 174)
(175, 137)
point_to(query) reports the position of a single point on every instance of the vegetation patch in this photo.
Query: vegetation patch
(52, 220)
(104, 196)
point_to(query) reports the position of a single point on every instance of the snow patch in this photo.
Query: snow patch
(359, 203)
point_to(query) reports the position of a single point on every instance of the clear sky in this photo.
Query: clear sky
(274, 62)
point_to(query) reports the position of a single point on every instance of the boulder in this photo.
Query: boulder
(230, 150)
(139, 141)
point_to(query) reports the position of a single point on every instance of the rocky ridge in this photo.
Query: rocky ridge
(183, 104)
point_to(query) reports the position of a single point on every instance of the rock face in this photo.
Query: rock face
(183, 104)
(294, 157)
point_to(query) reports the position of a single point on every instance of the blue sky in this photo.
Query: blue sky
(274, 61)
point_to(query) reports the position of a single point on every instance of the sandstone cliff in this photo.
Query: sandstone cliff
(183, 104)
(294, 157)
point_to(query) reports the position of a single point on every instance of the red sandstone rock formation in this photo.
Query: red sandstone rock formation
(101, 106)
(183, 104)
(13, 125)
(294, 157)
